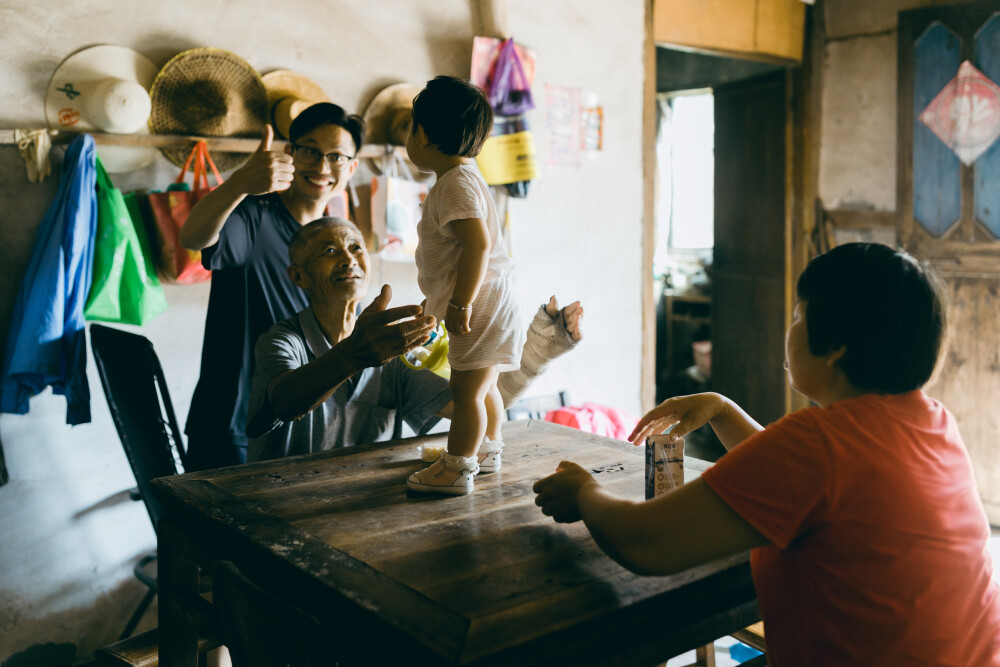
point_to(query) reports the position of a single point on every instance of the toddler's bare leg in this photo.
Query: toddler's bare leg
(473, 413)
(494, 412)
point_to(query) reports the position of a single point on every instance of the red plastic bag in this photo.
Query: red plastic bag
(597, 419)
(175, 263)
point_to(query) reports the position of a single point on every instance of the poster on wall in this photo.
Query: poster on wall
(562, 120)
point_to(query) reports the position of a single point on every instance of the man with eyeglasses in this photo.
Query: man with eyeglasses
(242, 229)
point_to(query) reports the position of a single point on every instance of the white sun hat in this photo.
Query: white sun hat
(104, 88)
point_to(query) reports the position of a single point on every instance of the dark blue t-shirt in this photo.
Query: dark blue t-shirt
(250, 292)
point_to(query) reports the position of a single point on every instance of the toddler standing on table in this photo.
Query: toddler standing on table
(467, 276)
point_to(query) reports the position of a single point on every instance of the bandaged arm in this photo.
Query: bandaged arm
(546, 340)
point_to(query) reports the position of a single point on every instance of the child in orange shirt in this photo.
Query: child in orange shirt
(868, 535)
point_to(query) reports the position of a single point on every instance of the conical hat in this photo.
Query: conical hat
(288, 94)
(388, 115)
(104, 88)
(208, 92)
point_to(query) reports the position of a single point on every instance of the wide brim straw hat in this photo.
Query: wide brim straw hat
(208, 92)
(104, 88)
(288, 94)
(387, 118)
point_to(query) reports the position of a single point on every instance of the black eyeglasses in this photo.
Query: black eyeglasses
(311, 156)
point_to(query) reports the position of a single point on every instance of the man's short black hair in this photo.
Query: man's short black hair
(455, 115)
(885, 307)
(327, 113)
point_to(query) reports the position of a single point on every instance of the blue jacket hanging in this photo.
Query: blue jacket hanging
(47, 342)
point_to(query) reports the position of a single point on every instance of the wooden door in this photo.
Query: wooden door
(748, 272)
(949, 213)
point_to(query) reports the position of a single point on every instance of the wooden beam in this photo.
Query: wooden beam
(227, 144)
(489, 18)
(648, 357)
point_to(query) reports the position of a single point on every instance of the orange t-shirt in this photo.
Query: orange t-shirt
(878, 553)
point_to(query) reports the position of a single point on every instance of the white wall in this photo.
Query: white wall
(68, 539)
(858, 136)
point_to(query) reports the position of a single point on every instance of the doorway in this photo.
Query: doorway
(719, 263)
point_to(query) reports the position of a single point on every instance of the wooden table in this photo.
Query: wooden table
(484, 579)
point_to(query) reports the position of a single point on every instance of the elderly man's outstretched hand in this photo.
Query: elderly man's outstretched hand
(379, 335)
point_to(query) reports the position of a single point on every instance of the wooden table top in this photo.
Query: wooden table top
(478, 579)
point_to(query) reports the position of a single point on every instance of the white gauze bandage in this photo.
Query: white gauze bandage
(547, 339)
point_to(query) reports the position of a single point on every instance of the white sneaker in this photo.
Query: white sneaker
(489, 455)
(449, 474)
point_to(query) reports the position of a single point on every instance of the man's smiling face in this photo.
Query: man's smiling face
(318, 175)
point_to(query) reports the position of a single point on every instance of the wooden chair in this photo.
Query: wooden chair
(136, 390)
(143, 650)
(264, 630)
(535, 407)
(752, 636)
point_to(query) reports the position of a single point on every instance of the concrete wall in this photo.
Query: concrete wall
(858, 140)
(69, 537)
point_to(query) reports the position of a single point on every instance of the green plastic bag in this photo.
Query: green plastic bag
(124, 287)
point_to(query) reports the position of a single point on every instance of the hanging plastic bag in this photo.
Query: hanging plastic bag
(395, 210)
(170, 210)
(124, 287)
(508, 157)
(509, 88)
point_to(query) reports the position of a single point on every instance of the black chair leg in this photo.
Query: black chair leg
(147, 599)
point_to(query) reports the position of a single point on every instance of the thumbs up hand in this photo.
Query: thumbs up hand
(266, 170)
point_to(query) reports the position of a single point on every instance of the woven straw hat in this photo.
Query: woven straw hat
(104, 88)
(288, 94)
(388, 115)
(208, 92)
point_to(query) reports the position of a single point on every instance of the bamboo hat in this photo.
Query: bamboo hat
(104, 88)
(387, 117)
(288, 94)
(208, 92)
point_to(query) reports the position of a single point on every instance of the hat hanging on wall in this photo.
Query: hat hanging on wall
(208, 92)
(288, 94)
(387, 117)
(104, 88)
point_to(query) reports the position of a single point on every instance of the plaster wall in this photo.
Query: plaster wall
(857, 163)
(70, 537)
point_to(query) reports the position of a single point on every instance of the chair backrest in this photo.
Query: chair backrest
(140, 407)
(535, 407)
(264, 630)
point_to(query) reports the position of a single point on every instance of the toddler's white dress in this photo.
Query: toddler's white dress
(497, 331)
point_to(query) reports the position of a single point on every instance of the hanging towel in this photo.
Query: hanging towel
(47, 342)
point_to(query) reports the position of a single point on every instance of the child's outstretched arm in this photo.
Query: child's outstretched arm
(474, 237)
(686, 413)
(668, 534)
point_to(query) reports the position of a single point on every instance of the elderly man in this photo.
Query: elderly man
(328, 377)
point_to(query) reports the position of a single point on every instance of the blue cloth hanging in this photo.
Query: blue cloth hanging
(47, 343)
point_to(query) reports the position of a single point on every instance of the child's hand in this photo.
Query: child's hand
(557, 493)
(684, 413)
(457, 320)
